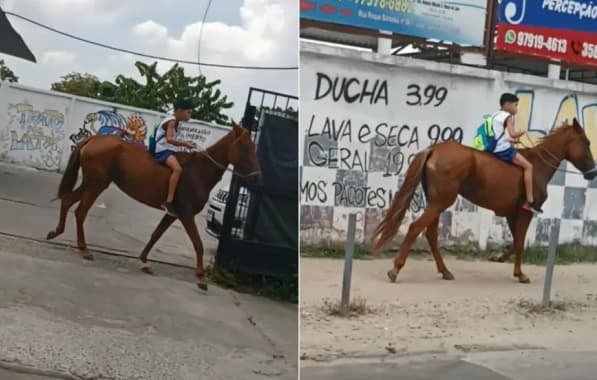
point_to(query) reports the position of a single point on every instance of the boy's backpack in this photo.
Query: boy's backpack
(151, 144)
(484, 139)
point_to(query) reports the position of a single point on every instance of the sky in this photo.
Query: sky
(236, 32)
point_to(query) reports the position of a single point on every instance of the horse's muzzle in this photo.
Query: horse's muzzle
(590, 174)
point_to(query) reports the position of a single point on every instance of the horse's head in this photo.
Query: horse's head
(578, 150)
(242, 154)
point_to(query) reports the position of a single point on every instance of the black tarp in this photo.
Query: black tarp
(274, 207)
(11, 42)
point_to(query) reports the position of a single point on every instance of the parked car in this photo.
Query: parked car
(216, 207)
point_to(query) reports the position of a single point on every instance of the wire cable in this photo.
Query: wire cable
(240, 67)
(200, 34)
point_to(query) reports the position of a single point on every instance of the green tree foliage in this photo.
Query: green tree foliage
(157, 93)
(6, 74)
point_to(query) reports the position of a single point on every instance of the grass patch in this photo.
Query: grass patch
(266, 286)
(566, 253)
(335, 252)
(528, 308)
(357, 307)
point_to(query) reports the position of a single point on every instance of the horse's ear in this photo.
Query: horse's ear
(575, 123)
(235, 125)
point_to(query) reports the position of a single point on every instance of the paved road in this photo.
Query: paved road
(106, 319)
(116, 222)
(70, 318)
(511, 365)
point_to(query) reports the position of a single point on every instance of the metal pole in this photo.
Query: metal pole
(348, 255)
(554, 236)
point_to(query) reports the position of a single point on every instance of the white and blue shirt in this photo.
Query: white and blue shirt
(161, 144)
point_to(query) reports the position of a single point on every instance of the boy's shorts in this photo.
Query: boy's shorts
(506, 155)
(162, 156)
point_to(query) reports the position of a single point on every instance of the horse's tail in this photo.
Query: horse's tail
(71, 173)
(388, 227)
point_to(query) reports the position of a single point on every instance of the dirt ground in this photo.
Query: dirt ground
(483, 309)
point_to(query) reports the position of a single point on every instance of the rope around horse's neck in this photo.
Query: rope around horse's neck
(541, 147)
(221, 166)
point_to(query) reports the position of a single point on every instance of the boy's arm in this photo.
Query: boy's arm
(170, 137)
(511, 131)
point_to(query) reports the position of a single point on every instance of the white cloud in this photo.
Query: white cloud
(151, 30)
(59, 58)
(268, 36)
(263, 33)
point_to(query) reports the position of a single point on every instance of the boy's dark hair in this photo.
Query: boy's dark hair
(183, 104)
(508, 98)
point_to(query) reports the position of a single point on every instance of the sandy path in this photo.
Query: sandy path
(421, 313)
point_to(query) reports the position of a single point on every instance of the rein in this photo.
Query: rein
(225, 168)
(540, 147)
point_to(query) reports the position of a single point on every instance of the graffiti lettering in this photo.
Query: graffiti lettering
(437, 134)
(194, 133)
(382, 134)
(34, 131)
(331, 129)
(419, 201)
(430, 93)
(132, 129)
(396, 160)
(568, 109)
(315, 190)
(76, 138)
(337, 158)
(359, 196)
(32, 140)
(351, 89)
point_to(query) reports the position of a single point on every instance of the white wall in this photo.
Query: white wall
(39, 128)
(345, 169)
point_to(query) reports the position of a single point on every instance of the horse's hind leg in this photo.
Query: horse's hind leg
(431, 235)
(65, 204)
(165, 223)
(89, 196)
(429, 216)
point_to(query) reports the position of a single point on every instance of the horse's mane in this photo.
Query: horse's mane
(555, 134)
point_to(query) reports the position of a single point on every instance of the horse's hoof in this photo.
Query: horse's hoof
(523, 279)
(447, 276)
(51, 235)
(202, 286)
(392, 275)
(87, 256)
(496, 259)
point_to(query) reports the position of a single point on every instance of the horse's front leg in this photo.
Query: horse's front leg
(164, 224)
(522, 225)
(191, 228)
(508, 250)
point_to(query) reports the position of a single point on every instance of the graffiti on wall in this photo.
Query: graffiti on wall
(194, 133)
(354, 147)
(363, 123)
(35, 133)
(132, 129)
(387, 145)
(569, 107)
(363, 132)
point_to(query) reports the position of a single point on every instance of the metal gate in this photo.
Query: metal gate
(259, 232)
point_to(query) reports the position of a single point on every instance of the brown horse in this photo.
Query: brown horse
(448, 169)
(107, 159)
